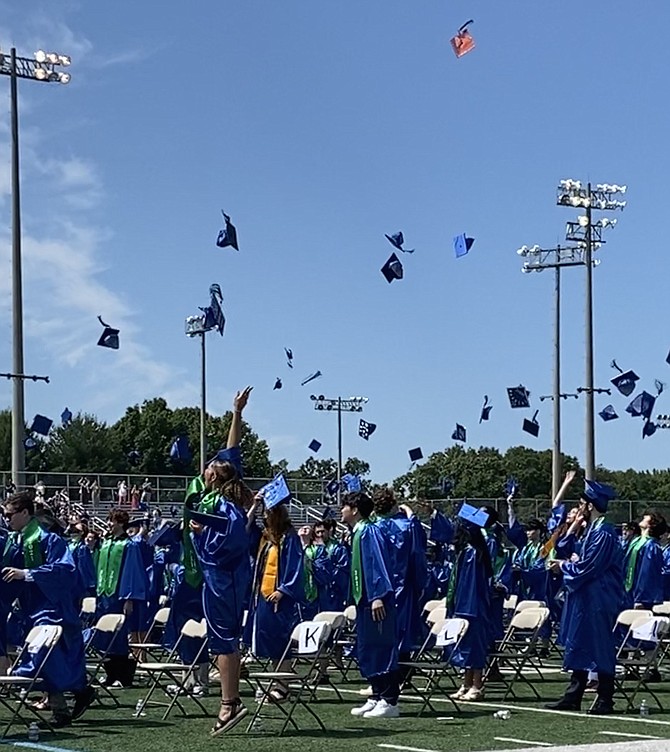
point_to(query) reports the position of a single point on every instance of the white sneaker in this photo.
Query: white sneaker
(366, 692)
(200, 690)
(473, 695)
(383, 710)
(369, 705)
(459, 694)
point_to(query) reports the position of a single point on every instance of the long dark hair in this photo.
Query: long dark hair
(229, 484)
(277, 523)
(468, 534)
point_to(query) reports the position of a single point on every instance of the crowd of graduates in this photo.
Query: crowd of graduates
(237, 562)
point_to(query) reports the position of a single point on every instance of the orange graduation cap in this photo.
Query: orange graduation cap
(463, 42)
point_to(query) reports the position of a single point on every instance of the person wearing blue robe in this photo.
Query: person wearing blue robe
(83, 561)
(666, 567)
(140, 618)
(643, 565)
(533, 577)
(373, 593)
(39, 566)
(501, 561)
(469, 597)
(441, 528)
(594, 594)
(629, 531)
(332, 569)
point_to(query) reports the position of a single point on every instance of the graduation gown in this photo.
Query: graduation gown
(186, 603)
(223, 555)
(332, 570)
(85, 566)
(594, 594)
(666, 573)
(647, 586)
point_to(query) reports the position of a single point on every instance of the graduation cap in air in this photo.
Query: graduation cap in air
(474, 515)
(228, 235)
(168, 534)
(278, 384)
(275, 492)
(333, 487)
(289, 357)
(486, 409)
(660, 386)
(392, 269)
(41, 424)
(66, 417)
(214, 318)
(134, 457)
(311, 377)
(462, 244)
(608, 413)
(352, 483)
(667, 360)
(365, 429)
(397, 240)
(511, 487)
(648, 429)
(625, 381)
(109, 337)
(463, 42)
(532, 426)
(447, 485)
(415, 454)
(29, 443)
(329, 513)
(642, 406)
(518, 396)
(459, 434)
(314, 445)
(180, 451)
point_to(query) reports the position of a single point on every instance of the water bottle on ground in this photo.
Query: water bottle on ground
(33, 732)
(502, 715)
(139, 709)
(644, 708)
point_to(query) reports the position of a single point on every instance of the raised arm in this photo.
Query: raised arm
(239, 403)
(558, 499)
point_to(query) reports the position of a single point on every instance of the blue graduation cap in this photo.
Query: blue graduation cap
(642, 405)
(166, 535)
(459, 434)
(329, 513)
(214, 318)
(486, 409)
(392, 269)
(333, 487)
(215, 521)
(109, 337)
(229, 454)
(275, 492)
(415, 454)
(314, 445)
(462, 245)
(532, 426)
(180, 451)
(134, 457)
(476, 516)
(511, 487)
(352, 483)
(365, 429)
(625, 381)
(660, 386)
(608, 413)
(29, 443)
(397, 240)
(66, 417)
(599, 494)
(648, 429)
(518, 396)
(41, 424)
(447, 485)
(667, 360)
(228, 235)
(278, 384)
(289, 357)
(311, 377)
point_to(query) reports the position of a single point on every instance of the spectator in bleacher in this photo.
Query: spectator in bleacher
(135, 499)
(147, 493)
(95, 493)
(84, 490)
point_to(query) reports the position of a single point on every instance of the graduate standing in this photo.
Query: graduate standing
(643, 565)
(594, 587)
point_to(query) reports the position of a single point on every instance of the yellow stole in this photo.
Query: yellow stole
(270, 571)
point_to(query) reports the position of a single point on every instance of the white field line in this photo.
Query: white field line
(629, 736)
(406, 749)
(520, 741)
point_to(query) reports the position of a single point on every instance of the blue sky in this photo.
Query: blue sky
(318, 127)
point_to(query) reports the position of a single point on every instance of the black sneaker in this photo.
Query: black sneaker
(82, 701)
(59, 720)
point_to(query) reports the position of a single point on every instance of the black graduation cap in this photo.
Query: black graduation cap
(180, 451)
(278, 384)
(314, 445)
(642, 405)
(216, 522)
(214, 318)
(365, 429)
(667, 360)
(486, 409)
(29, 442)
(134, 457)
(608, 413)
(41, 424)
(462, 244)
(227, 236)
(289, 357)
(397, 240)
(648, 429)
(109, 337)
(311, 377)
(392, 269)
(660, 386)
(66, 417)
(459, 434)
(415, 454)
(518, 396)
(625, 381)
(168, 534)
(532, 426)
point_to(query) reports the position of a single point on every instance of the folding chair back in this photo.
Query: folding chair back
(663, 609)
(430, 605)
(109, 623)
(350, 613)
(509, 604)
(627, 617)
(336, 619)
(437, 614)
(529, 618)
(195, 629)
(523, 605)
(45, 636)
(88, 606)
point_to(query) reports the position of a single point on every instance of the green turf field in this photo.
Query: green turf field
(105, 728)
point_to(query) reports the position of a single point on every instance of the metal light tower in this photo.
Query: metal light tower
(42, 68)
(537, 260)
(350, 405)
(195, 327)
(589, 236)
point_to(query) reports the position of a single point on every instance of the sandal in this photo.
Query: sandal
(278, 695)
(236, 712)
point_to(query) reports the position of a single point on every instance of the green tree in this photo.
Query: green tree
(5, 439)
(83, 446)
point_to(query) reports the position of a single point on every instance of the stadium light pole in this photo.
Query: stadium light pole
(589, 236)
(537, 260)
(195, 327)
(43, 67)
(350, 405)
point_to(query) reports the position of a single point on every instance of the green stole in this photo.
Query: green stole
(195, 498)
(311, 592)
(453, 578)
(530, 555)
(633, 551)
(32, 551)
(109, 566)
(356, 561)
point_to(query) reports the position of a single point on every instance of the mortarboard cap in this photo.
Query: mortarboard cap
(311, 377)
(215, 521)
(532, 426)
(109, 337)
(352, 483)
(459, 434)
(329, 513)
(608, 413)
(392, 269)
(476, 516)
(625, 381)
(462, 245)
(275, 492)
(599, 494)
(667, 360)
(463, 42)
(180, 451)
(229, 454)
(167, 534)
(365, 429)
(227, 236)
(332, 487)
(41, 424)
(397, 240)
(660, 386)
(314, 445)
(486, 409)
(289, 357)
(415, 454)
(511, 486)
(648, 429)
(642, 406)
(66, 417)
(278, 384)
(518, 396)
(29, 442)
(134, 457)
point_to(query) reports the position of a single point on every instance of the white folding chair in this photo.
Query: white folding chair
(109, 625)
(437, 614)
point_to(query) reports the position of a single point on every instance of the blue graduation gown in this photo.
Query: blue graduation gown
(186, 604)
(48, 599)
(269, 625)
(666, 573)
(83, 561)
(648, 579)
(441, 528)
(332, 572)
(376, 641)
(223, 554)
(502, 584)
(594, 587)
